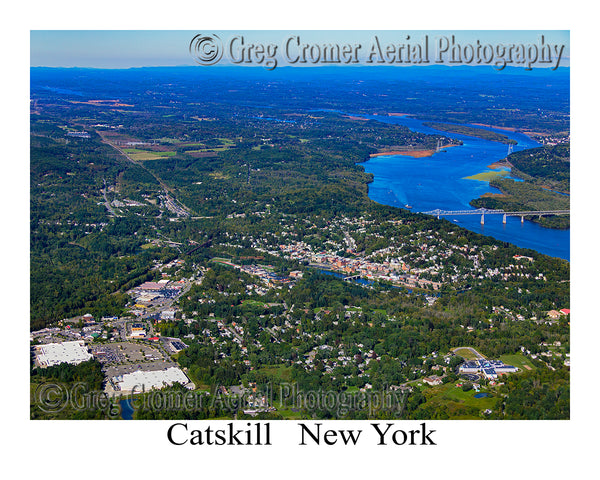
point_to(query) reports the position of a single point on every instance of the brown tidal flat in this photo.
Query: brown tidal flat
(410, 153)
(500, 164)
(351, 117)
(508, 129)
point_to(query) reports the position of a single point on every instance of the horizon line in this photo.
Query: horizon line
(262, 67)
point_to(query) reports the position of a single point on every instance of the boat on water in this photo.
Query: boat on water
(408, 206)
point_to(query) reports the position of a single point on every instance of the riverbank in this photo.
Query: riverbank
(524, 196)
(471, 132)
(500, 164)
(439, 182)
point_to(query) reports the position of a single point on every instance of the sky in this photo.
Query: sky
(139, 48)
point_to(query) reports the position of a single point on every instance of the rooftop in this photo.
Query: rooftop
(150, 379)
(66, 352)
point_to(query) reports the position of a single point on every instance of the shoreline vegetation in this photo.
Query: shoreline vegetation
(545, 176)
(528, 132)
(516, 196)
(471, 132)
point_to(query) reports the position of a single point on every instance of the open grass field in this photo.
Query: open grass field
(222, 148)
(318, 309)
(172, 141)
(466, 354)
(279, 372)
(140, 155)
(224, 261)
(219, 176)
(456, 403)
(289, 414)
(518, 360)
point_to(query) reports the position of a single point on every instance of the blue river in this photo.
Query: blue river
(126, 409)
(439, 182)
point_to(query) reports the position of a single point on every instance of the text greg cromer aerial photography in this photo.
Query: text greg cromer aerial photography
(299, 225)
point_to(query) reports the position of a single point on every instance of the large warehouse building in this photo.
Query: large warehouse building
(66, 352)
(150, 379)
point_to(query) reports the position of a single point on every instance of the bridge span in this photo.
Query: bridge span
(486, 211)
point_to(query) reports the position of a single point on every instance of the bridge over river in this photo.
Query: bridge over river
(486, 211)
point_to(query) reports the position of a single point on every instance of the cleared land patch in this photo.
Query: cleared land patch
(142, 155)
(466, 354)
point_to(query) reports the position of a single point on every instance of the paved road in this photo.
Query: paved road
(107, 202)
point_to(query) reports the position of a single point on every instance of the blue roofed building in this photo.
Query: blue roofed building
(489, 368)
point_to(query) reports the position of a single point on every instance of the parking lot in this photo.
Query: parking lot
(129, 354)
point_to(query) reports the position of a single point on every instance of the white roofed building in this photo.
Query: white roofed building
(66, 352)
(150, 379)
